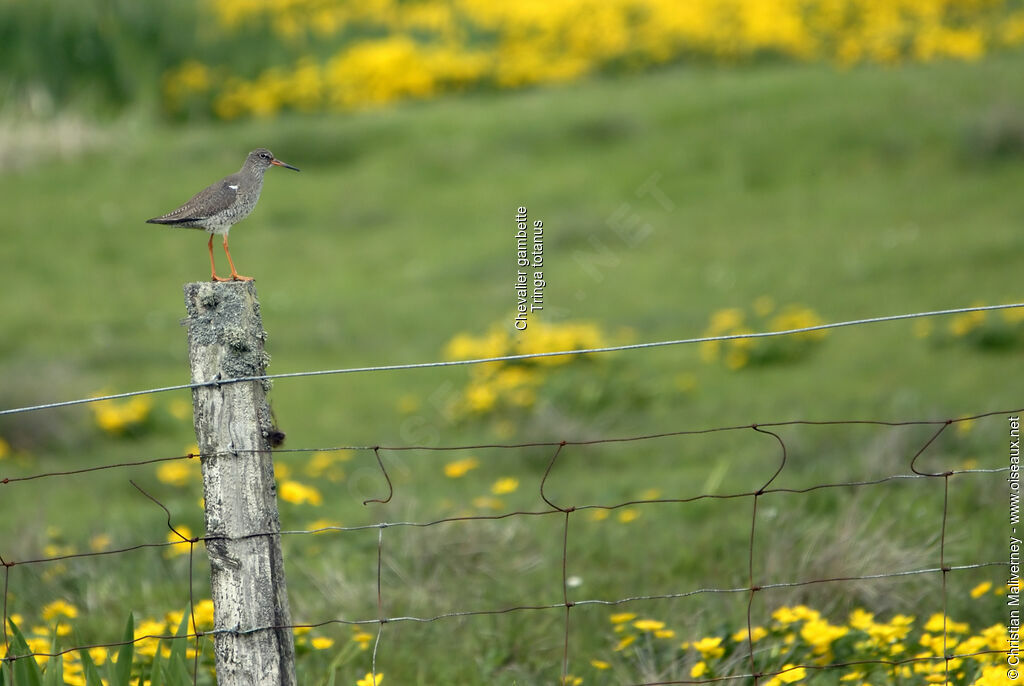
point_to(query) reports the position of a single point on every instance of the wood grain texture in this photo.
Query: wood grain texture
(233, 423)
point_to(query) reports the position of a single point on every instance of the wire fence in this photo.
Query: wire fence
(751, 665)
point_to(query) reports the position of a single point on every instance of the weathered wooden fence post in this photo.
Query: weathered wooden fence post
(234, 427)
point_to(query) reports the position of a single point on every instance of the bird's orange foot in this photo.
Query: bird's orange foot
(239, 277)
(214, 277)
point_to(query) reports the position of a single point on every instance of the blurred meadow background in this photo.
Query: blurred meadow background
(701, 168)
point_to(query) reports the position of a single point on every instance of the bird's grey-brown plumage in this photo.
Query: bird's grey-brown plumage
(220, 206)
(217, 208)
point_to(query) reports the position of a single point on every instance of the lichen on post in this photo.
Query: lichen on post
(234, 429)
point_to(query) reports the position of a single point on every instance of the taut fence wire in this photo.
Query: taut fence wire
(508, 358)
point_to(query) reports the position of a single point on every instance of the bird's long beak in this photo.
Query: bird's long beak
(279, 163)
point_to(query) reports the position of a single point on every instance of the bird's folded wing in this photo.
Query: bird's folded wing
(203, 205)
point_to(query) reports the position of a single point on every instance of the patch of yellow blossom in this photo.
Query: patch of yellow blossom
(362, 637)
(514, 383)
(299, 494)
(505, 485)
(803, 638)
(737, 353)
(117, 417)
(178, 545)
(459, 468)
(391, 50)
(371, 679)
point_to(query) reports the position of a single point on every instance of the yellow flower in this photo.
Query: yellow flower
(648, 624)
(505, 485)
(598, 514)
(481, 398)
(298, 493)
(935, 625)
(664, 633)
(179, 547)
(570, 680)
(600, 664)
(820, 635)
(621, 617)
(756, 634)
(861, 619)
(699, 669)
(362, 638)
(176, 473)
(371, 679)
(204, 614)
(791, 674)
(59, 608)
(459, 468)
(725, 321)
(5, 448)
(628, 515)
(709, 647)
(145, 630)
(790, 615)
(981, 589)
(322, 642)
(624, 643)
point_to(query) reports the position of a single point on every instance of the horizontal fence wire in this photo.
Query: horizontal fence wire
(565, 511)
(508, 358)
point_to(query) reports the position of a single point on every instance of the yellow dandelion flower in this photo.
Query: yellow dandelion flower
(664, 633)
(322, 642)
(59, 608)
(709, 647)
(459, 468)
(362, 638)
(371, 679)
(699, 669)
(481, 398)
(621, 617)
(648, 624)
(981, 589)
(756, 634)
(176, 473)
(628, 515)
(791, 673)
(600, 664)
(179, 547)
(624, 643)
(299, 493)
(505, 485)
(820, 635)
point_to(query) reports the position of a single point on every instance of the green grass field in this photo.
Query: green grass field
(861, 193)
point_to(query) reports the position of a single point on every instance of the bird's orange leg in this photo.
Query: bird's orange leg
(234, 275)
(213, 268)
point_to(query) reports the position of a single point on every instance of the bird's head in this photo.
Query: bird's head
(260, 160)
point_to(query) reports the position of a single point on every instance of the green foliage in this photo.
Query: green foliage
(844, 191)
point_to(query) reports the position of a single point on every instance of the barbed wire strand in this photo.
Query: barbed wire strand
(510, 358)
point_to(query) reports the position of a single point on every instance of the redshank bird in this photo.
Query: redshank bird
(227, 202)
